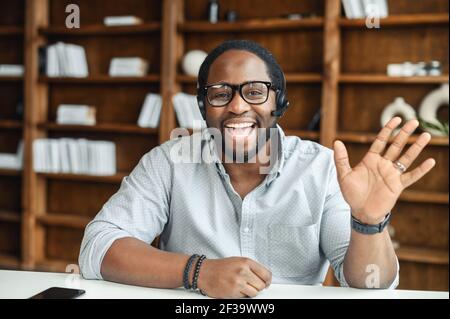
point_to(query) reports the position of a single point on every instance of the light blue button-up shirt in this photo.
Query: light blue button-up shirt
(296, 222)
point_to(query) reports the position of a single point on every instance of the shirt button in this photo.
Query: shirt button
(246, 230)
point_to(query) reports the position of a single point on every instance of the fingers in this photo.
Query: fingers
(413, 152)
(341, 159)
(256, 282)
(400, 140)
(249, 291)
(410, 178)
(383, 137)
(262, 272)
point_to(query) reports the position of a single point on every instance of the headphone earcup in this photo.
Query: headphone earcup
(281, 103)
(201, 106)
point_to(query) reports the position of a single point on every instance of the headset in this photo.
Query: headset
(281, 101)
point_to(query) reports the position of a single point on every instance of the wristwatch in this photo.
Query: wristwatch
(370, 229)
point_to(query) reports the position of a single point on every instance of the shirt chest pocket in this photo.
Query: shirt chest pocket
(293, 250)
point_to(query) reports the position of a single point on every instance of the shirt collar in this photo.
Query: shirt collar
(276, 169)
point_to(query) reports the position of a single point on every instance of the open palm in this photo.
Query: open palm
(373, 186)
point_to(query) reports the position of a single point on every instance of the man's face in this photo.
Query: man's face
(239, 121)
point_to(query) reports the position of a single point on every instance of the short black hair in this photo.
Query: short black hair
(273, 68)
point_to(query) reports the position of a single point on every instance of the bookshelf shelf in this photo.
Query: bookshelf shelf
(422, 255)
(101, 128)
(11, 78)
(8, 216)
(11, 30)
(8, 261)
(399, 20)
(10, 172)
(101, 79)
(114, 179)
(366, 138)
(424, 197)
(303, 134)
(11, 125)
(250, 25)
(148, 27)
(384, 79)
(290, 77)
(71, 221)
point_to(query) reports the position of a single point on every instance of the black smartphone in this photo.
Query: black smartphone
(58, 293)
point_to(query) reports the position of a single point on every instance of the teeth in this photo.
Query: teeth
(239, 125)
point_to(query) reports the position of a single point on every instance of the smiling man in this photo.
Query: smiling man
(230, 228)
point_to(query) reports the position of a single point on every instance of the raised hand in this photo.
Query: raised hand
(372, 187)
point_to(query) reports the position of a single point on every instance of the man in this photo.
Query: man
(284, 224)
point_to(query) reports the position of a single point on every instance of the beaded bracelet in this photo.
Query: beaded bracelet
(197, 272)
(187, 270)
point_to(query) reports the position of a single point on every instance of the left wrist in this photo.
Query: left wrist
(367, 218)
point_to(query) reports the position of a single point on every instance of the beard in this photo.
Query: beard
(237, 151)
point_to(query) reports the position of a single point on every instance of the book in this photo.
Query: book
(375, 8)
(186, 108)
(133, 66)
(121, 20)
(74, 114)
(65, 60)
(75, 156)
(11, 70)
(151, 111)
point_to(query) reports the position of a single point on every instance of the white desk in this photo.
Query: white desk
(24, 284)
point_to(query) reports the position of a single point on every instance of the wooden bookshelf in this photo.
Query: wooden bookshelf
(11, 78)
(12, 217)
(103, 30)
(12, 44)
(101, 127)
(331, 64)
(11, 30)
(423, 255)
(254, 25)
(400, 20)
(101, 79)
(117, 178)
(366, 138)
(384, 79)
(362, 89)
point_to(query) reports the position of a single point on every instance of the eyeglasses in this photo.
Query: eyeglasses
(252, 92)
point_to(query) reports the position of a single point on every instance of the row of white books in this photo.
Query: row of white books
(186, 108)
(74, 114)
(151, 111)
(66, 60)
(75, 156)
(11, 70)
(359, 9)
(132, 66)
(12, 161)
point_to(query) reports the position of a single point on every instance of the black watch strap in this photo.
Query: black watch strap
(370, 229)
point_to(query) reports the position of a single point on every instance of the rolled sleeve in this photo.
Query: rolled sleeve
(139, 209)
